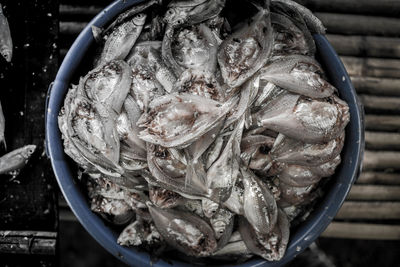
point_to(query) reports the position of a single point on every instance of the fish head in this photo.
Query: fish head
(139, 19)
(176, 16)
(29, 150)
(7, 54)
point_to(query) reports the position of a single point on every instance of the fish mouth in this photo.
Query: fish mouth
(7, 54)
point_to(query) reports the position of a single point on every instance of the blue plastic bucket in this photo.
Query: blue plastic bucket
(301, 238)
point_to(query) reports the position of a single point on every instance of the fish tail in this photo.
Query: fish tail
(3, 142)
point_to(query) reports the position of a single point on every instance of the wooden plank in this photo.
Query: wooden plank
(380, 160)
(362, 231)
(374, 67)
(382, 123)
(365, 46)
(71, 28)
(379, 178)
(374, 192)
(78, 13)
(28, 242)
(351, 24)
(369, 210)
(381, 7)
(382, 141)
(377, 86)
(381, 104)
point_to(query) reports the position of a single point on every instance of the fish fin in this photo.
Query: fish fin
(97, 33)
(3, 141)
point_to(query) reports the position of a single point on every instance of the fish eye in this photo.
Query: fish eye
(170, 12)
(179, 21)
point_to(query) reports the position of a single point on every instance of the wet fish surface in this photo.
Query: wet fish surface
(205, 127)
(6, 44)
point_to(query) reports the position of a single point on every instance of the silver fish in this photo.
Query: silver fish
(107, 84)
(116, 211)
(297, 152)
(298, 74)
(162, 72)
(164, 198)
(178, 120)
(245, 51)
(139, 233)
(14, 161)
(233, 249)
(2, 128)
(297, 175)
(209, 207)
(259, 205)
(91, 129)
(222, 175)
(129, 14)
(254, 150)
(121, 40)
(312, 22)
(307, 120)
(169, 173)
(201, 83)
(289, 38)
(145, 86)
(272, 245)
(197, 49)
(222, 224)
(327, 169)
(177, 16)
(128, 130)
(192, 12)
(235, 201)
(297, 195)
(184, 231)
(129, 161)
(6, 45)
(69, 147)
(213, 152)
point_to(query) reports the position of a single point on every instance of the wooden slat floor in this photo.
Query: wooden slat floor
(366, 34)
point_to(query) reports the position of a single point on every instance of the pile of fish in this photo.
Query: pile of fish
(205, 132)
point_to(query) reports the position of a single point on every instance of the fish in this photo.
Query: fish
(107, 84)
(259, 205)
(184, 231)
(254, 150)
(116, 211)
(164, 198)
(169, 173)
(6, 44)
(222, 223)
(272, 245)
(298, 176)
(129, 14)
(144, 87)
(298, 74)
(312, 22)
(121, 39)
(201, 83)
(193, 13)
(138, 233)
(2, 128)
(290, 38)
(12, 162)
(209, 207)
(235, 201)
(197, 49)
(308, 120)
(222, 175)
(293, 151)
(296, 195)
(246, 50)
(178, 120)
(91, 129)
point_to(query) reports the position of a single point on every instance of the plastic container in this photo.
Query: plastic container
(304, 235)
